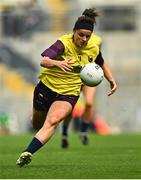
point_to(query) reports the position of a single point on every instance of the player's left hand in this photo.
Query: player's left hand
(113, 87)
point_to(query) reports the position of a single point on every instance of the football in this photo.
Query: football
(91, 74)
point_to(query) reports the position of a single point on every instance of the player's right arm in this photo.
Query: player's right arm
(50, 57)
(65, 65)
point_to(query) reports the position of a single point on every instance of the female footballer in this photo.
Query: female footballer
(59, 87)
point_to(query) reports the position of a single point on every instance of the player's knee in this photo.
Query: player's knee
(89, 105)
(54, 121)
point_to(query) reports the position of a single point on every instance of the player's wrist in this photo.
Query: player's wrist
(111, 80)
(55, 63)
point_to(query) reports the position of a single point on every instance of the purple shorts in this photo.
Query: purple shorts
(44, 97)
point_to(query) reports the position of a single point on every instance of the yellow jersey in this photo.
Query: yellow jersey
(69, 82)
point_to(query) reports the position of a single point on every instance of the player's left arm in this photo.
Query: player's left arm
(109, 76)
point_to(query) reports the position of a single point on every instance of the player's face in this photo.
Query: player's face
(81, 37)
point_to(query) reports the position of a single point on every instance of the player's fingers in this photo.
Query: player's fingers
(67, 67)
(112, 91)
(71, 61)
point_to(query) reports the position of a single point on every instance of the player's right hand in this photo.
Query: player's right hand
(65, 65)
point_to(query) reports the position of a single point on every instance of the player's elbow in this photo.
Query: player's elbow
(43, 62)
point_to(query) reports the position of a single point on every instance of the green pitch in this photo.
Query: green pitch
(109, 157)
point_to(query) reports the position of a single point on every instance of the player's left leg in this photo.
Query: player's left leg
(38, 119)
(89, 94)
(65, 126)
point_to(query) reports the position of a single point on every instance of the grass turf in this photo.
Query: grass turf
(106, 157)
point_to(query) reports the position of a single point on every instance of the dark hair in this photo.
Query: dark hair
(87, 20)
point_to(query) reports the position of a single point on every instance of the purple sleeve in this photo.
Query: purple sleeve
(99, 60)
(54, 50)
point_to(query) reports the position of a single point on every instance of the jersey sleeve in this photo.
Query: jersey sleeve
(99, 60)
(54, 50)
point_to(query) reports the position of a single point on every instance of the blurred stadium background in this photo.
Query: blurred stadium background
(27, 27)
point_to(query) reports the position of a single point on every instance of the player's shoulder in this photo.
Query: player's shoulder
(96, 38)
(66, 37)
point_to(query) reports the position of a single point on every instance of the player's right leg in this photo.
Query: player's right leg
(89, 94)
(58, 111)
(24, 159)
(37, 121)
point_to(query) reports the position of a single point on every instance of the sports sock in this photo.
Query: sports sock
(64, 130)
(34, 146)
(83, 127)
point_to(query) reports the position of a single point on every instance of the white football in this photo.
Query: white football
(91, 74)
